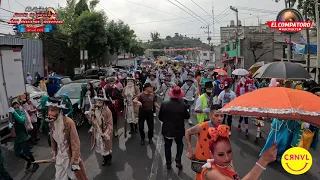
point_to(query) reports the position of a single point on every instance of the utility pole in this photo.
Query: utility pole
(212, 18)
(308, 38)
(318, 39)
(208, 32)
(237, 49)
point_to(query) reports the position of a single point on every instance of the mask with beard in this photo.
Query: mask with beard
(52, 118)
(130, 83)
(209, 92)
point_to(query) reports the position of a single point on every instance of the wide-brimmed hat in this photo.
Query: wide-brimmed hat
(146, 85)
(55, 102)
(100, 97)
(130, 79)
(208, 84)
(111, 79)
(176, 92)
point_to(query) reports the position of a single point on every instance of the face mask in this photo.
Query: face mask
(51, 118)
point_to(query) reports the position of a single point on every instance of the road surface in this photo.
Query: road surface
(131, 161)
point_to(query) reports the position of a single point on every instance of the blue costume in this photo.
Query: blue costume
(284, 136)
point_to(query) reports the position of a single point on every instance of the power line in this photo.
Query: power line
(190, 11)
(159, 21)
(6, 10)
(186, 11)
(19, 4)
(201, 7)
(109, 12)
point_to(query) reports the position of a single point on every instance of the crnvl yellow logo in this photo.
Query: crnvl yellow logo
(296, 160)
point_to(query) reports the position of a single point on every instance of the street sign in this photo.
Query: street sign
(85, 54)
(81, 54)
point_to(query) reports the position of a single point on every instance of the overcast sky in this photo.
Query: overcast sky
(145, 16)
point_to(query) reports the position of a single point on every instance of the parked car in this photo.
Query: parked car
(73, 89)
(95, 73)
(55, 83)
(35, 96)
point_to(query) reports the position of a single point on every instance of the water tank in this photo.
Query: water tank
(239, 23)
(232, 23)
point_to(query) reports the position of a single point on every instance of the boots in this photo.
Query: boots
(107, 160)
(26, 159)
(131, 128)
(136, 127)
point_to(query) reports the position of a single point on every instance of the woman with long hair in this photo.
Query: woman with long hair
(86, 101)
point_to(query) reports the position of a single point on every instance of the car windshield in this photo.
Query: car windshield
(72, 90)
(65, 80)
(32, 89)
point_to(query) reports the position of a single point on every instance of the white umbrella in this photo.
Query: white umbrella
(240, 72)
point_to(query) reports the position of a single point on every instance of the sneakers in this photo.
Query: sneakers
(247, 133)
(115, 133)
(154, 114)
(90, 130)
(239, 129)
(230, 133)
(29, 163)
(190, 122)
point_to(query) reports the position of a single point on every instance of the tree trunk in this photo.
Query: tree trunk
(254, 56)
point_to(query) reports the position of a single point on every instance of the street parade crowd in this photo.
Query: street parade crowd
(177, 93)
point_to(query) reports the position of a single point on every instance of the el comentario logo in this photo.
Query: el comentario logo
(296, 160)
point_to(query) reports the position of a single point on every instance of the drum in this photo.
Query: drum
(188, 100)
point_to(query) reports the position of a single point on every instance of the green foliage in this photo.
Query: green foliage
(68, 17)
(81, 7)
(90, 33)
(308, 8)
(93, 4)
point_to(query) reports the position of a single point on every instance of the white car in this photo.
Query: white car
(35, 95)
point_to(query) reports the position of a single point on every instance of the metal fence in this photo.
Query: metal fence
(32, 53)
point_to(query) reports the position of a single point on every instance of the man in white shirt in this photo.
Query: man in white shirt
(226, 96)
(165, 88)
(190, 92)
(28, 78)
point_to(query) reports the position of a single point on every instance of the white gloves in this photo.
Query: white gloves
(87, 112)
(11, 110)
(75, 167)
(206, 110)
(10, 125)
(66, 115)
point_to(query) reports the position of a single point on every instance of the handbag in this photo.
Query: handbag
(196, 165)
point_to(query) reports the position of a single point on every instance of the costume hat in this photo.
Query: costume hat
(176, 92)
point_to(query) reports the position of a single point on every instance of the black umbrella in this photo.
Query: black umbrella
(282, 70)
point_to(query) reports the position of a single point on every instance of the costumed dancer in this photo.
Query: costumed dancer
(116, 105)
(130, 92)
(65, 143)
(204, 102)
(101, 120)
(21, 140)
(44, 126)
(67, 102)
(218, 85)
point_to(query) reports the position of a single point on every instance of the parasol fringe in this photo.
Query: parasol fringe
(236, 109)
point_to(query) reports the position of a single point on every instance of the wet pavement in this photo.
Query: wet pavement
(131, 161)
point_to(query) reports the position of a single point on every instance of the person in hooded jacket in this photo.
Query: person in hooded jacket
(67, 102)
(44, 126)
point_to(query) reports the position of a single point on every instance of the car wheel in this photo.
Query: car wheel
(78, 118)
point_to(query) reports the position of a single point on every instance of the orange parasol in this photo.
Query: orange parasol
(221, 72)
(277, 102)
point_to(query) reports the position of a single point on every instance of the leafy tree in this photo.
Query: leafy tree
(137, 49)
(68, 17)
(81, 7)
(155, 36)
(90, 33)
(93, 4)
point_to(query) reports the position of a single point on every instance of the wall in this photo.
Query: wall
(32, 53)
(232, 50)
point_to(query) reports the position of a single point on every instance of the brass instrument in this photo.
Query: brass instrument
(161, 63)
(176, 65)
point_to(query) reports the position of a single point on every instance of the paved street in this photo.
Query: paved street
(131, 161)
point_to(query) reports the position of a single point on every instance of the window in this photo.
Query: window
(234, 45)
(228, 48)
(205, 54)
